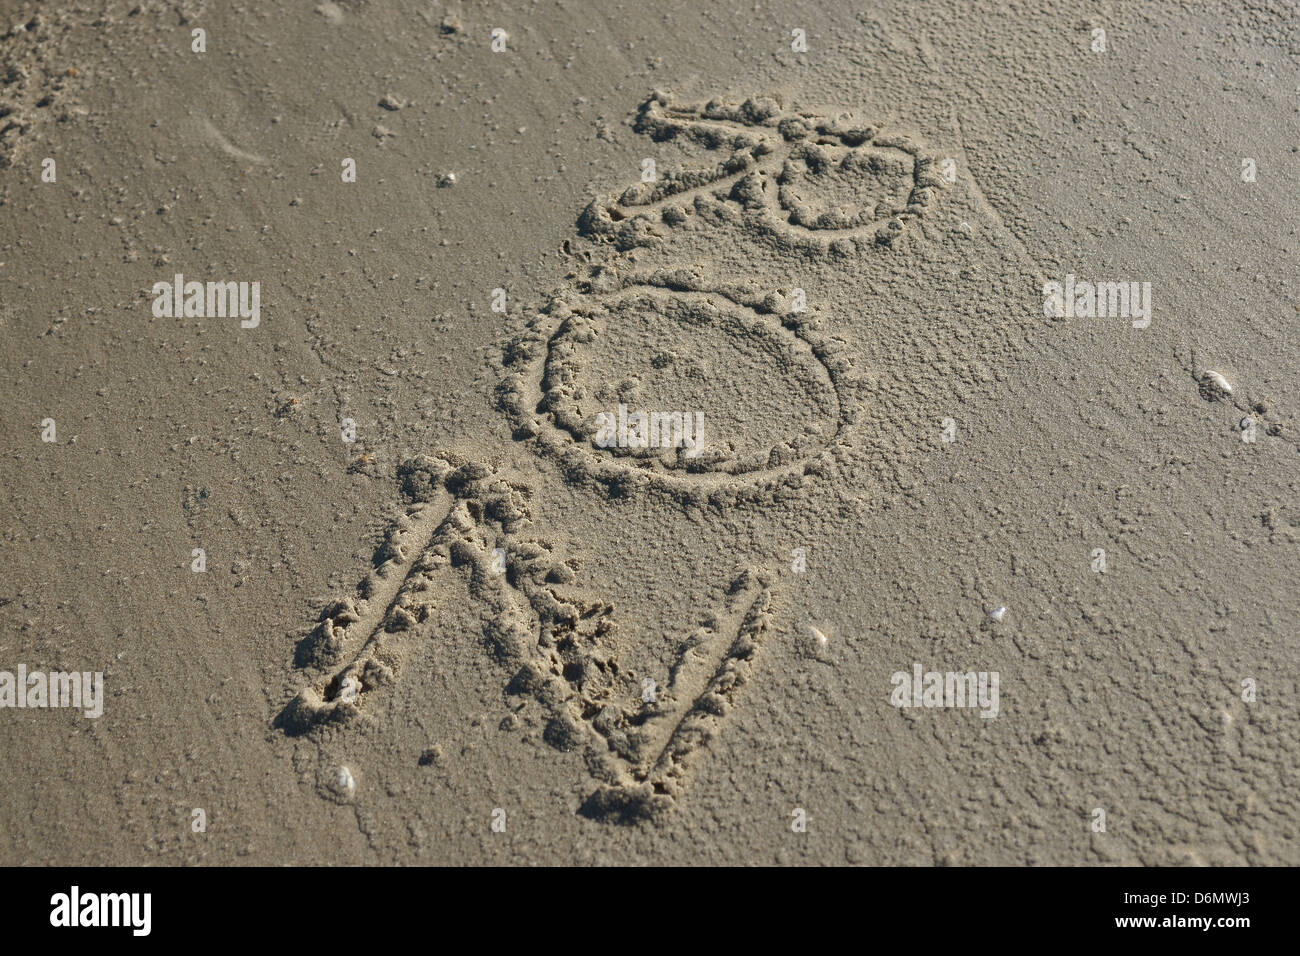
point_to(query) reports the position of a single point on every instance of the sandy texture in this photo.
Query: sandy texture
(445, 619)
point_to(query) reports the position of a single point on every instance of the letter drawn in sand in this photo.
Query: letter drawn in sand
(766, 402)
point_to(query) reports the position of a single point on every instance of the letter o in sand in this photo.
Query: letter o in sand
(767, 396)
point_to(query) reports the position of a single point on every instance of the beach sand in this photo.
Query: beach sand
(365, 580)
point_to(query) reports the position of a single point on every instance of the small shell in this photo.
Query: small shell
(998, 614)
(1214, 386)
(344, 783)
(817, 645)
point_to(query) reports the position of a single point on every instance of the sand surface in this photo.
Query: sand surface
(442, 619)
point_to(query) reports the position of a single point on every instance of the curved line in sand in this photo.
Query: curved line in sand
(555, 439)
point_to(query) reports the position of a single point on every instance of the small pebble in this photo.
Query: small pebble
(447, 179)
(344, 783)
(331, 12)
(998, 614)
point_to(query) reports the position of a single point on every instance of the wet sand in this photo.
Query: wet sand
(973, 539)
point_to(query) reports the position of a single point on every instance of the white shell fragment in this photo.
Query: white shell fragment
(998, 614)
(1214, 386)
(817, 645)
(344, 783)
